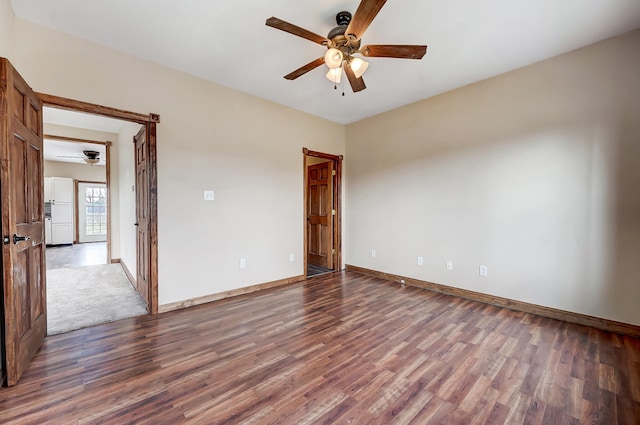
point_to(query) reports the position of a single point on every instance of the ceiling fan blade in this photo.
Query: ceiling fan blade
(366, 12)
(295, 30)
(304, 69)
(357, 84)
(400, 51)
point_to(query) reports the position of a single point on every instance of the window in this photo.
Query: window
(96, 212)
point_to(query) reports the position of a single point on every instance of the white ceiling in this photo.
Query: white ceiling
(226, 41)
(81, 120)
(61, 151)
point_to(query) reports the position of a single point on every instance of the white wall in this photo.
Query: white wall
(534, 173)
(127, 179)
(246, 149)
(6, 29)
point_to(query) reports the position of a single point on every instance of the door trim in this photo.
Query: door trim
(336, 202)
(149, 120)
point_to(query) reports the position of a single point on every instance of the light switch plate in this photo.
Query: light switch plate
(243, 263)
(209, 195)
(420, 261)
(484, 271)
(292, 257)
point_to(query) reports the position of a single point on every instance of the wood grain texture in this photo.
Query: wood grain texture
(553, 313)
(343, 348)
(304, 69)
(92, 108)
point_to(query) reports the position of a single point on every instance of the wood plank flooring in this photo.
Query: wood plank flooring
(343, 348)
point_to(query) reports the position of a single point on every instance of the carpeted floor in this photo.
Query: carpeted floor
(87, 296)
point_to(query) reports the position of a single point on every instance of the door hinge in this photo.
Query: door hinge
(333, 212)
(333, 251)
(5, 240)
(333, 172)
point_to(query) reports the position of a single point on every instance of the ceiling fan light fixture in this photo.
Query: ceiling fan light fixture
(333, 58)
(334, 75)
(358, 66)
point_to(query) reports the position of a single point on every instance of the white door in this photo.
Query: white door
(92, 212)
(61, 193)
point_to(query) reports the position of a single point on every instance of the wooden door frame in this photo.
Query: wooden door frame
(336, 204)
(149, 121)
(76, 199)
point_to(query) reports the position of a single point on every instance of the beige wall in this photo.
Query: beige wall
(6, 29)
(74, 171)
(533, 173)
(246, 149)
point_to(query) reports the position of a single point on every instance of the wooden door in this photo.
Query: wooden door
(22, 204)
(142, 209)
(320, 214)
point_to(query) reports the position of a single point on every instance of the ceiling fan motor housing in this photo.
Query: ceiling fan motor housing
(91, 154)
(337, 37)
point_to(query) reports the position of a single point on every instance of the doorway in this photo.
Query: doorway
(147, 266)
(322, 212)
(87, 277)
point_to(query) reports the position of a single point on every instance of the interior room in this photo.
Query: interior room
(84, 286)
(445, 233)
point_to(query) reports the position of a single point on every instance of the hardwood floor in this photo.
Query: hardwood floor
(343, 348)
(313, 270)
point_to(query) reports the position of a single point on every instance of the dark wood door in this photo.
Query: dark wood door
(142, 209)
(22, 201)
(320, 214)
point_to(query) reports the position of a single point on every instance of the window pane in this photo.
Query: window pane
(96, 211)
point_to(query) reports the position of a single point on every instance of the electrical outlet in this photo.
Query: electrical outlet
(484, 271)
(420, 261)
(243, 263)
(373, 253)
(449, 265)
(292, 257)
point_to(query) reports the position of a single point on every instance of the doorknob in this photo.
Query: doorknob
(17, 238)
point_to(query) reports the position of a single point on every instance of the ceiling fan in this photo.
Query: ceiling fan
(90, 157)
(343, 42)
